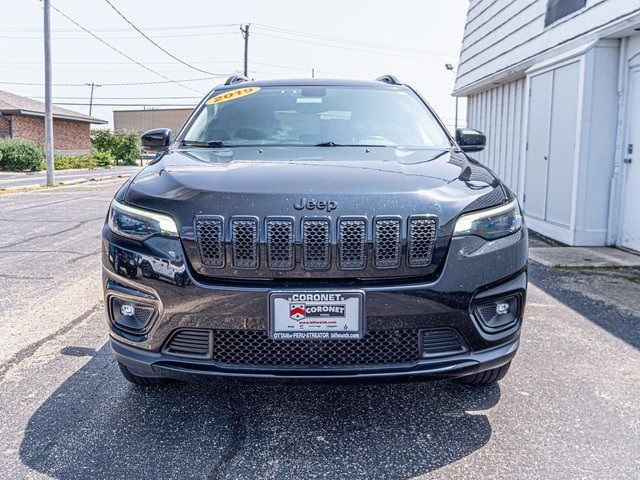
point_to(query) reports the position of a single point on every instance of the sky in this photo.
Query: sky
(412, 39)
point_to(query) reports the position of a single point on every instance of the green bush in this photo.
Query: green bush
(103, 159)
(91, 160)
(19, 155)
(123, 146)
(65, 162)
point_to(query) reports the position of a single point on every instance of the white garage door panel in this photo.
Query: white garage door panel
(564, 117)
(538, 145)
(631, 202)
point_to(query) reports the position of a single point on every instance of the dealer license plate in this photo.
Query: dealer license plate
(316, 315)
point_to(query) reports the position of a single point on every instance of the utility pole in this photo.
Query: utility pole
(245, 35)
(48, 118)
(451, 68)
(92, 85)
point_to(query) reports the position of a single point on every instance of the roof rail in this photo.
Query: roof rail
(390, 79)
(237, 78)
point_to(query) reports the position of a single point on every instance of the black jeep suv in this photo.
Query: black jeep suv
(314, 230)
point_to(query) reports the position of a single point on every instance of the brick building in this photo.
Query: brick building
(23, 118)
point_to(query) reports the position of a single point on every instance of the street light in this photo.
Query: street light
(450, 67)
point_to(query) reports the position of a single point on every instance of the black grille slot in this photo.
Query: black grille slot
(143, 314)
(280, 254)
(190, 343)
(441, 342)
(244, 234)
(210, 241)
(387, 242)
(422, 239)
(351, 244)
(255, 348)
(316, 253)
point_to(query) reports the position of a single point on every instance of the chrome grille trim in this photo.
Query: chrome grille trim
(244, 241)
(280, 243)
(352, 239)
(386, 240)
(210, 238)
(421, 239)
(316, 243)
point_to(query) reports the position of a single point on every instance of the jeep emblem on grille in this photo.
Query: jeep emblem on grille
(312, 204)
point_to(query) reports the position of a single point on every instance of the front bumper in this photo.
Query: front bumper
(154, 273)
(153, 364)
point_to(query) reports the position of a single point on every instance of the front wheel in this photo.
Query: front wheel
(487, 377)
(141, 381)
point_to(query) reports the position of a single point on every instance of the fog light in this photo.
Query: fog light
(131, 316)
(503, 308)
(495, 316)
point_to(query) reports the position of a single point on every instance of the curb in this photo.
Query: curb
(65, 183)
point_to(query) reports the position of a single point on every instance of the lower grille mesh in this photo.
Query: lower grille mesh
(255, 348)
(190, 343)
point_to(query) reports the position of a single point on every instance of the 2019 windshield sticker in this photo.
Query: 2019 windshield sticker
(232, 95)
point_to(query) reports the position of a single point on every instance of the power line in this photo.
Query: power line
(166, 27)
(154, 43)
(119, 98)
(159, 82)
(329, 38)
(85, 104)
(121, 52)
(206, 34)
(363, 50)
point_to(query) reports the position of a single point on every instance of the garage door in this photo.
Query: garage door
(631, 202)
(553, 116)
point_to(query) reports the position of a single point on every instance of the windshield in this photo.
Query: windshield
(308, 116)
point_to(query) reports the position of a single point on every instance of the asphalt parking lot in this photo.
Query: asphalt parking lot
(567, 409)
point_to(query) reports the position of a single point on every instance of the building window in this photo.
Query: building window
(557, 9)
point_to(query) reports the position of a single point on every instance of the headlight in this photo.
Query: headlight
(491, 223)
(139, 224)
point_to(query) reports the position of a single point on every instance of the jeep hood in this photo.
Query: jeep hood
(269, 181)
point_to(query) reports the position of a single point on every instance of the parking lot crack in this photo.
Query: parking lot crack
(29, 350)
(238, 436)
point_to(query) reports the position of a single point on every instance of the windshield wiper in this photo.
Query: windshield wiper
(193, 143)
(334, 144)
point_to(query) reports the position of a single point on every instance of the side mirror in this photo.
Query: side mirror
(157, 139)
(470, 140)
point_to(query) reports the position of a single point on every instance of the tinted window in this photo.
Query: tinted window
(557, 9)
(308, 116)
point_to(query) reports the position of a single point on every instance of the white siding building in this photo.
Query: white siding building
(555, 85)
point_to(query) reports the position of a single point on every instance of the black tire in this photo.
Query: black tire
(142, 381)
(487, 377)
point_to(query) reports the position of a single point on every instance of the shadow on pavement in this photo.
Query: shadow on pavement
(95, 425)
(571, 287)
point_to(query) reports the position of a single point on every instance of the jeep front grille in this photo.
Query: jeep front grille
(352, 238)
(422, 235)
(280, 241)
(387, 242)
(348, 244)
(210, 237)
(244, 240)
(316, 242)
